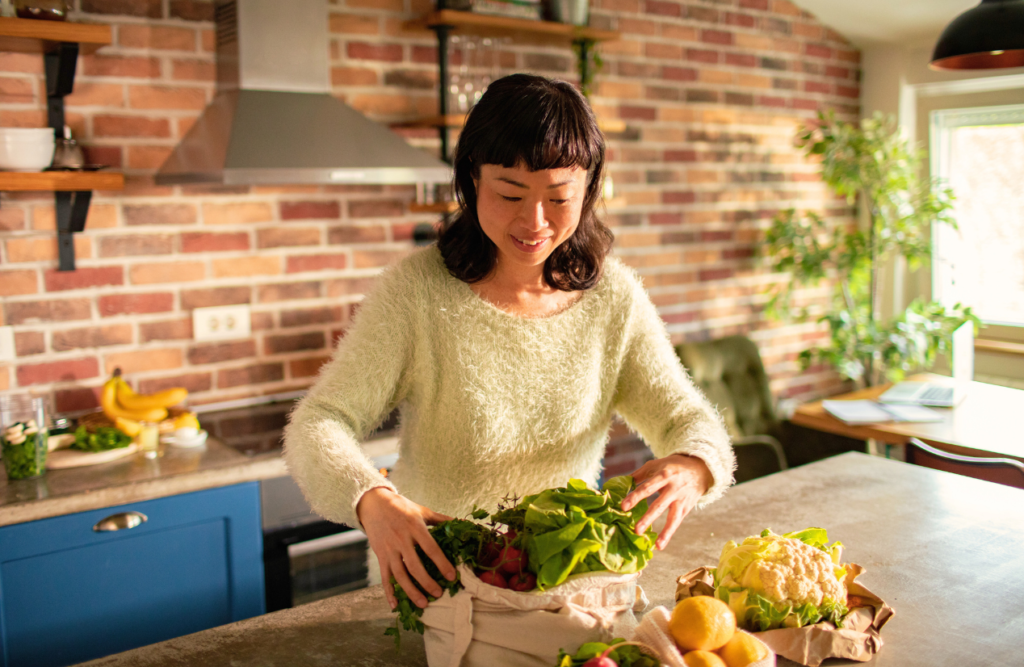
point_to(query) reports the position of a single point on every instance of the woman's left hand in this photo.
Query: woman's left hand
(681, 479)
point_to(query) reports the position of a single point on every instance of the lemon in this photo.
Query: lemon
(702, 623)
(187, 420)
(742, 650)
(702, 659)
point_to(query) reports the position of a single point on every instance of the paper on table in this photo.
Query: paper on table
(870, 412)
(859, 639)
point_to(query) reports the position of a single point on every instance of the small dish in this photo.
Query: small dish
(84, 167)
(197, 441)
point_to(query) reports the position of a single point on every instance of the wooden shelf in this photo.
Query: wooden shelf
(61, 181)
(485, 24)
(439, 207)
(39, 36)
(1004, 346)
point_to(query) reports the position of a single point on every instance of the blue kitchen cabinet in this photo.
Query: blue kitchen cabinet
(69, 593)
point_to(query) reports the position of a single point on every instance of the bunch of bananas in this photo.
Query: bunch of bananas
(127, 409)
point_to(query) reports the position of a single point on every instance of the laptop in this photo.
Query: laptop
(935, 394)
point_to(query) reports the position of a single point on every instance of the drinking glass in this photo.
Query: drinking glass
(24, 436)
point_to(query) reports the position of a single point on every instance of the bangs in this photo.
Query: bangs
(542, 134)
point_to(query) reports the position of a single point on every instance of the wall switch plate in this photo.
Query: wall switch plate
(221, 322)
(7, 352)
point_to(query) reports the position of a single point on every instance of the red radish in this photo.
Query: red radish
(491, 555)
(603, 660)
(494, 579)
(523, 581)
(512, 560)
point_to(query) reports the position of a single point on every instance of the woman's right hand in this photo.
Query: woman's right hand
(394, 527)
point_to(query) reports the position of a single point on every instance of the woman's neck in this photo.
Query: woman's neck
(522, 293)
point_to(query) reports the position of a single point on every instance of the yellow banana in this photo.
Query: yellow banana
(162, 399)
(128, 426)
(113, 410)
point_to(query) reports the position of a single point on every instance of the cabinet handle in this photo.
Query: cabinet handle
(120, 521)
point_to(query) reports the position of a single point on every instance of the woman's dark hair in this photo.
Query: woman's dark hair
(539, 123)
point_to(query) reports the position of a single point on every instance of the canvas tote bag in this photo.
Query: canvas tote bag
(485, 626)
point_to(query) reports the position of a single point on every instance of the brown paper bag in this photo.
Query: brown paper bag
(484, 626)
(859, 639)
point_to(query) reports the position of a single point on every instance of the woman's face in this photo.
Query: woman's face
(527, 214)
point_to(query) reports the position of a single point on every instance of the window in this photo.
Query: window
(979, 152)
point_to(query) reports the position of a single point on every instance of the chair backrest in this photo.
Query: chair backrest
(999, 470)
(730, 372)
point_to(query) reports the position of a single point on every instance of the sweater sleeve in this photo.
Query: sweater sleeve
(356, 390)
(658, 400)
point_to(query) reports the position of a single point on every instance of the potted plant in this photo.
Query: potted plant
(872, 163)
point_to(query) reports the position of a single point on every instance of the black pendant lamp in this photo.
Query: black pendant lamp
(989, 36)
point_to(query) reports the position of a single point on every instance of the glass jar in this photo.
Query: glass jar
(23, 436)
(50, 10)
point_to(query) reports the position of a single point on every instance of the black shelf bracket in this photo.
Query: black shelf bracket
(71, 207)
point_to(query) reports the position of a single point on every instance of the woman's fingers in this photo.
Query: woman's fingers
(656, 509)
(402, 577)
(434, 553)
(642, 490)
(389, 589)
(415, 567)
(676, 513)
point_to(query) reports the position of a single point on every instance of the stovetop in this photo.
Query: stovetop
(258, 429)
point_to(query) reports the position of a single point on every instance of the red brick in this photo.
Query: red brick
(754, 4)
(742, 20)
(716, 37)
(662, 8)
(156, 37)
(132, 245)
(73, 339)
(309, 316)
(27, 343)
(314, 340)
(166, 97)
(376, 208)
(425, 55)
(740, 60)
(17, 90)
(150, 273)
(121, 304)
(304, 368)
(28, 63)
(679, 73)
(702, 56)
(96, 95)
(280, 237)
(78, 399)
(141, 361)
(848, 91)
(83, 278)
(301, 263)
(237, 213)
(382, 52)
(194, 382)
(147, 8)
(124, 66)
(258, 374)
(375, 259)
(160, 214)
(818, 50)
(289, 291)
(11, 219)
(680, 156)
(310, 210)
(349, 287)
(404, 231)
(166, 330)
(353, 76)
(130, 126)
(191, 10)
(194, 70)
(65, 370)
(110, 156)
(637, 113)
(28, 312)
(217, 296)
(13, 283)
(217, 352)
(211, 242)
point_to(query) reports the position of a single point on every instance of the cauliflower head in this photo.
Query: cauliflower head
(775, 581)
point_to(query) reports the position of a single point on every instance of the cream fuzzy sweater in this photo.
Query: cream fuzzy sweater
(491, 403)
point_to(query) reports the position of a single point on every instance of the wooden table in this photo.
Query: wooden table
(947, 552)
(989, 422)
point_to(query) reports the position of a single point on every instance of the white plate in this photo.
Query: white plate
(72, 458)
(197, 441)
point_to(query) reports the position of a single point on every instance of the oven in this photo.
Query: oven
(305, 558)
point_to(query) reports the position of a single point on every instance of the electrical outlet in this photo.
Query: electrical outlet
(221, 322)
(7, 352)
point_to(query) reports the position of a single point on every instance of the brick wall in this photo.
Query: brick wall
(711, 91)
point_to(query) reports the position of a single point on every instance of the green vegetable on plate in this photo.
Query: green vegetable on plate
(104, 438)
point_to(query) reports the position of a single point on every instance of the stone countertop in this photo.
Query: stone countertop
(943, 550)
(131, 479)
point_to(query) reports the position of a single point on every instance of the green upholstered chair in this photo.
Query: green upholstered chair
(730, 372)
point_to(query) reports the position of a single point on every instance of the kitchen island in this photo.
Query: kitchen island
(945, 551)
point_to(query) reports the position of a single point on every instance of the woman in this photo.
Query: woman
(508, 347)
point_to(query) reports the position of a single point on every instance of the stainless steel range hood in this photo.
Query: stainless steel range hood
(273, 120)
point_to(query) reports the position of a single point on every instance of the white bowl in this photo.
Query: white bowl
(26, 151)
